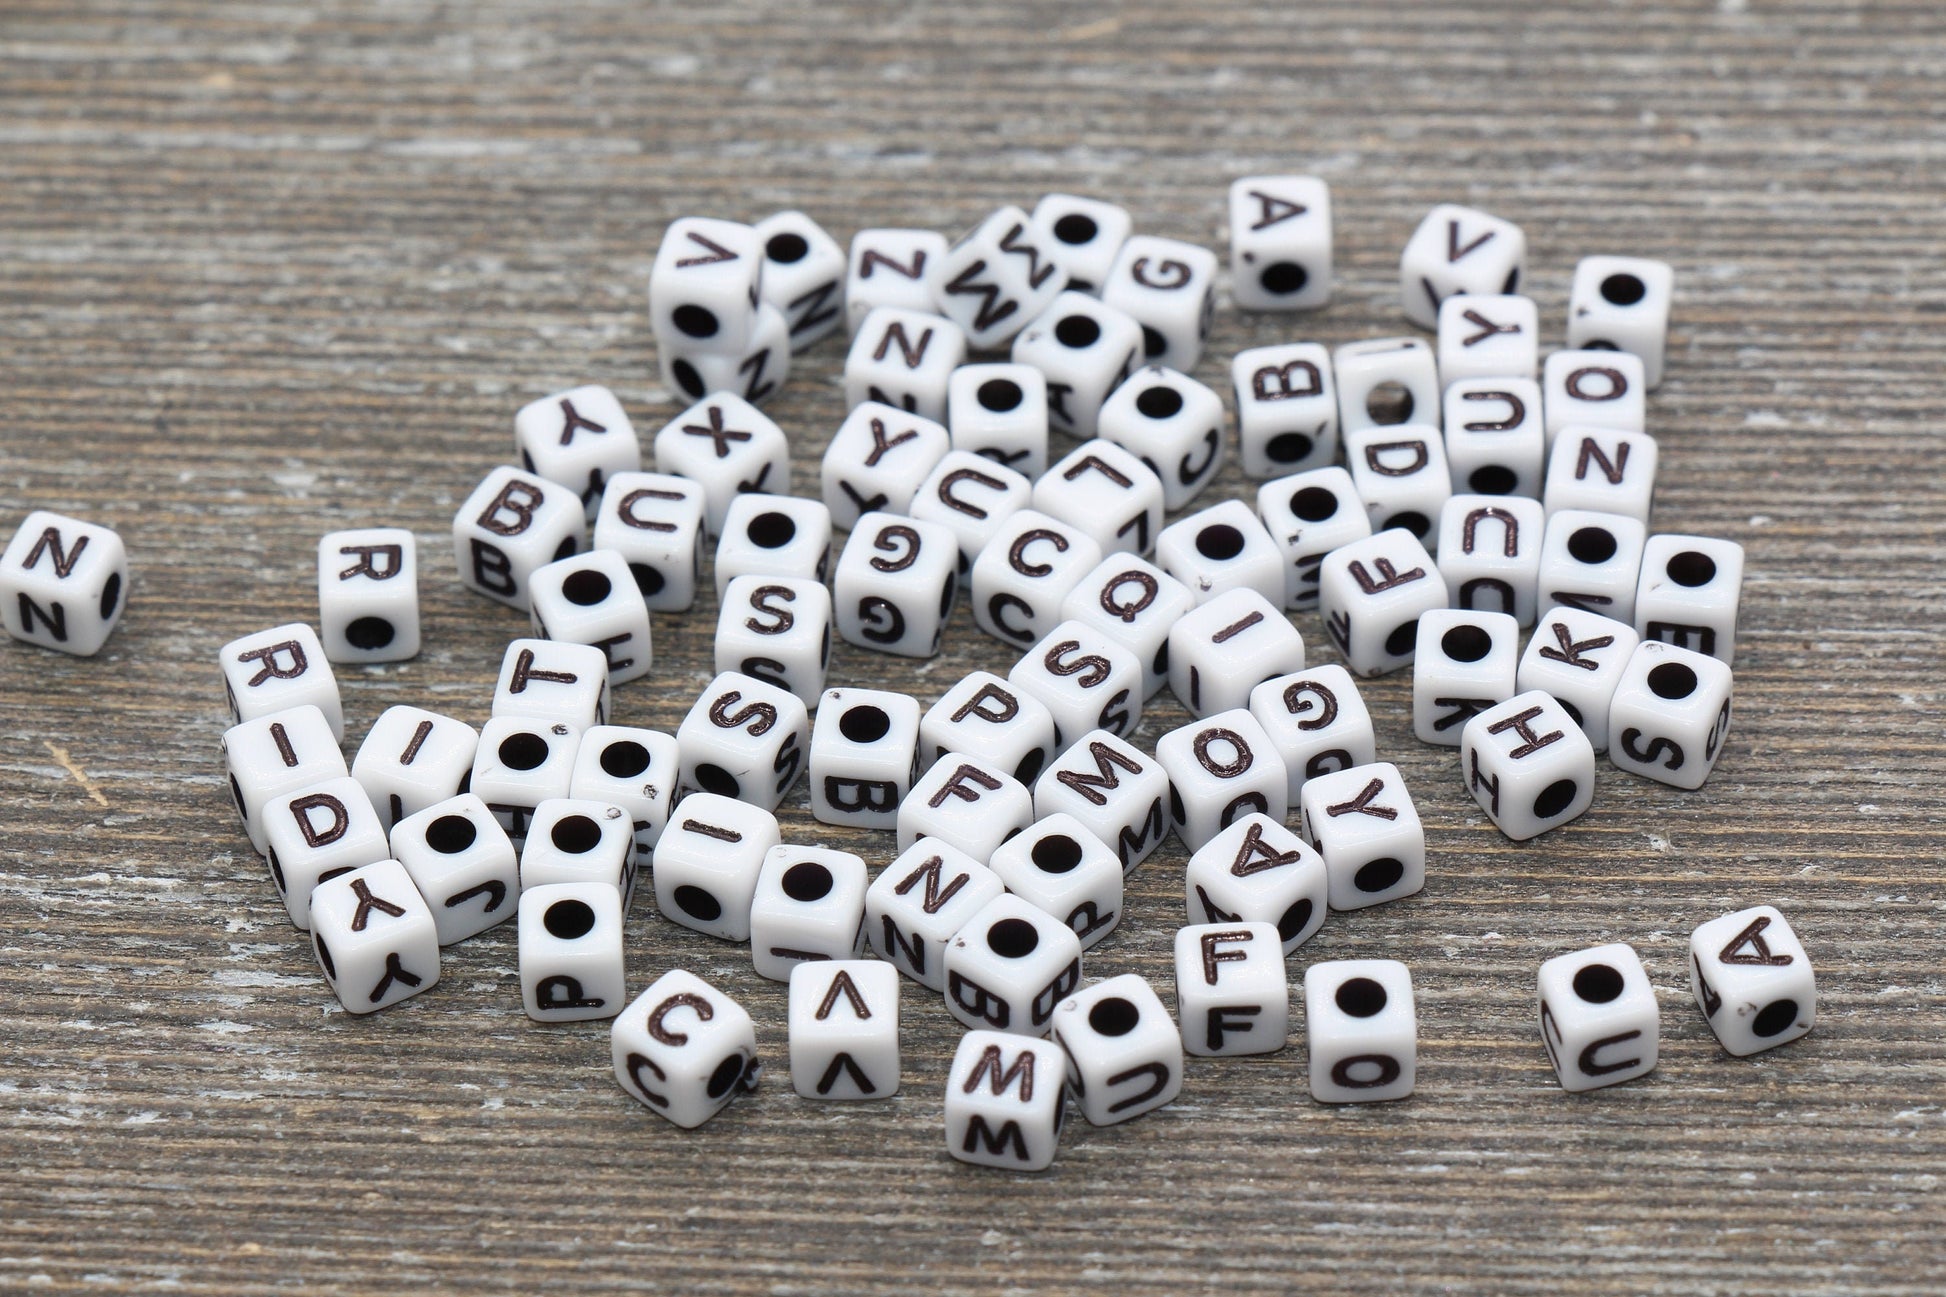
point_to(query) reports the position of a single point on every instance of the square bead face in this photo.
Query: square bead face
(1488, 335)
(571, 965)
(1169, 288)
(368, 595)
(1124, 1051)
(1578, 657)
(1001, 275)
(727, 446)
(462, 862)
(1258, 871)
(1464, 664)
(316, 833)
(548, 680)
(1287, 409)
(1386, 381)
(412, 759)
(513, 524)
(1280, 243)
(655, 522)
(777, 630)
(1752, 980)
(1173, 424)
(708, 861)
(1009, 966)
(63, 583)
(1362, 821)
(999, 412)
(1138, 603)
(896, 583)
(1222, 548)
(901, 360)
(1592, 562)
(864, 757)
(1622, 304)
(374, 937)
(971, 496)
(635, 769)
(1609, 470)
(684, 1049)
(277, 669)
(1317, 723)
(992, 720)
(592, 599)
(1490, 553)
(1307, 515)
(773, 535)
(918, 902)
(803, 275)
(1401, 475)
(520, 763)
(744, 739)
(1670, 714)
(571, 840)
(1372, 593)
(1107, 493)
(1599, 1020)
(889, 267)
(1528, 765)
(1593, 389)
(1085, 349)
(809, 905)
(1005, 1098)
(1224, 649)
(880, 455)
(1458, 250)
(1085, 677)
(1496, 437)
(1231, 996)
(1118, 792)
(971, 804)
(1058, 865)
(578, 438)
(752, 374)
(844, 1029)
(277, 754)
(1363, 1030)
(1083, 234)
(1688, 594)
(1023, 573)
(705, 284)
(1221, 770)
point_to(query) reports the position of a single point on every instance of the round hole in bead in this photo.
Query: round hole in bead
(1160, 664)
(1030, 765)
(1076, 228)
(771, 529)
(522, 751)
(1389, 403)
(1574, 713)
(1282, 278)
(1411, 520)
(1287, 448)
(277, 870)
(569, 919)
(1592, 545)
(1159, 402)
(697, 902)
(807, 881)
(1403, 639)
(1672, 680)
(686, 377)
(586, 588)
(1555, 798)
(696, 321)
(1598, 983)
(369, 633)
(1295, 918)
(1379, 875)
(1623, 289)
(1775, 1018)
(111, 594)
(712, 778)
(1513, 282)
(946, 593)
(1492, 479)
(575, 834)
(1002, 394)
(324, 956)
(647, 579)
(1692, 568)
(1361, 997)
(1012, 938)
(1466, 643)
(786, 248)
(1219, 542)
(1057, 853)
(1113, 1016)
(1077, 331)
(1314, 503)
(864, 723)
(624, 759)
(566, 548)
(724, 1078)
(1153, 343)
(451, 834)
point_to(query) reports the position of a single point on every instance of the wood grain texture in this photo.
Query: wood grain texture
(272, 269)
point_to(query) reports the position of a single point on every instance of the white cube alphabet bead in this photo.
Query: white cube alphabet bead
(1107, 493)
(1169, 288)
(773, 535)
(707, 863)
(1496, 436)
(891, 267)
(368, 595)
(277, 754)
(1670, 714)
(1622, 304)
(1317, 723)
(1364, 824)
(513, 524)
(655, 522)
(462, 862)
(1173, 424)
(412, 759)
(1401, 475)
(277, 669)
(1752, 980)
(1116, 791)
(1258, 871)
(592, 599)
(971, 496)
(1490, 553)
(374, 937)
(572, 840)
(63, 583)
(777, 630)
(571, 954)
(1083, 234)
(1307, 515)
(316, 833)
(919, 901)
(635, 769)
(1688, 593)
(1607, 470)
(1084, 350)
(1280, 243)
(896, 582)
(1577, 657)
(1227, 647)
(844, 1029)
(1488, 335)
(705, 285)
(520, 763)
(999, 412)
(1222, 548)
(1528, 765)
(546, 680)
(727, 446)
(1386, 381)
(1021, 576)
(1592, 561)
(998, 277)
(1058, 865)
(1362, 1029)
(744, 739)
(1458, 250)
(1086, 678)
(684, 1049)
(803, 275)
(1287, 409)
(968, 803)
(1123, 1049)
(1009, 967)
(809, 905)
(1372, 593)
(1221, 770)
(1593, 389)
(1139, 604)
(904, 360)
(993, 720)
(1598, 1017)
(864, 757)
(579, 438)
(1006, 1097)
(1464, 664)
(753, 374)
(1231, 996)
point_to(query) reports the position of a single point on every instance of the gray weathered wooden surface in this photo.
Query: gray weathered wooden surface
(277, 268)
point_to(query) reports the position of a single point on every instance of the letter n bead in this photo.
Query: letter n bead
(685, 1049)
(63, 583)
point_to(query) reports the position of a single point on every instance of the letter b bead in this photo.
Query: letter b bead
(1010, 966)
